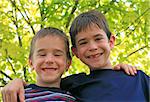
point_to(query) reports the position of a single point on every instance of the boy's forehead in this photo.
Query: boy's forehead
(90, 32)
(89, 27)
(49, 36)
(50, 39)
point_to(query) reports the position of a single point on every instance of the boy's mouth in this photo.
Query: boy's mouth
(95, 55)
(49, 69)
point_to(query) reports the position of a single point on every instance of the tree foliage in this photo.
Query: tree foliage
(20, 19)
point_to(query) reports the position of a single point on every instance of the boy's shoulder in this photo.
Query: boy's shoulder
(102, 73)
(74, 76)
(140, 74)
(143, 76)
(108, 76)
(69, 81)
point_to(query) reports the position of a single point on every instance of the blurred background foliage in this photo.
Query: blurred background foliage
(21, 19)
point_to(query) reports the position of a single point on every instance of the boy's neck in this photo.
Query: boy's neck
(100, 68)
(108, 65)
(56, 85)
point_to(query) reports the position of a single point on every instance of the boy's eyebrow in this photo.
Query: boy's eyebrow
(61, 51)
(81, 40)
(58, 50)
(97, 35)
(40, 50)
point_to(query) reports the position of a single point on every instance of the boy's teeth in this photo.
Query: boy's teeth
(48, 69)
(93, 56)
(96, 55)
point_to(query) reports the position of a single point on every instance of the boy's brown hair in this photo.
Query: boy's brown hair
(85, 20)
(46, 32)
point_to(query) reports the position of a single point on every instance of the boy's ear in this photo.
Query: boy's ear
(112, 41)
(31, 64)
(74, 51)
(68, 64)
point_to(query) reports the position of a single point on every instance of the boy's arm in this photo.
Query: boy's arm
(16, 88)
(13, 91)
(130, 70)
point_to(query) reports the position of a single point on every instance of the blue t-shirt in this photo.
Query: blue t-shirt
(108, 86)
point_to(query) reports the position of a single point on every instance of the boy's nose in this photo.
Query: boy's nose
(92, 46)
(49, 59)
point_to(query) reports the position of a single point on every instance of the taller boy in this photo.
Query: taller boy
(92, 43)
(92, 40)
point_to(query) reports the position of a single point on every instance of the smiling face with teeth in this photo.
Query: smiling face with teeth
(49, 60)
(93, 47)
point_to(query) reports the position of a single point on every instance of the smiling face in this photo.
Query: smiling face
(93, 47)
(49, 60)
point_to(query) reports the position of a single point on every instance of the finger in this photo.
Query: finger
(3, 95)
(126, 69)
(135, 69)
(10, 95)
(13, 97)
(7, 98)
(131, 70)
(21, 95)
(116, 68)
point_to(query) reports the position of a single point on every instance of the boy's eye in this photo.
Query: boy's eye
(82, 43)
(97, 39)
(58, 54)
(41, 54)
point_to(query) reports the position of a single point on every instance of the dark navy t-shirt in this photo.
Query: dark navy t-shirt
(108, 86)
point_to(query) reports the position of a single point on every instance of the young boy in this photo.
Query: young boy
(92, 59)
(50, 58)
(92, 43)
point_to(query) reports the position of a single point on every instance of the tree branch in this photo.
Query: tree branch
(2, 86)
(5, 75)
(0, 42)
(133, 24)
(128, 34)
(7, 58)
(72, 11)
(42, 11)
(24, 70)
(3, 81)
(25, 18)
(16, 24)
(136, 51)
(28, 19)
(14, 20)
(135, 20)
